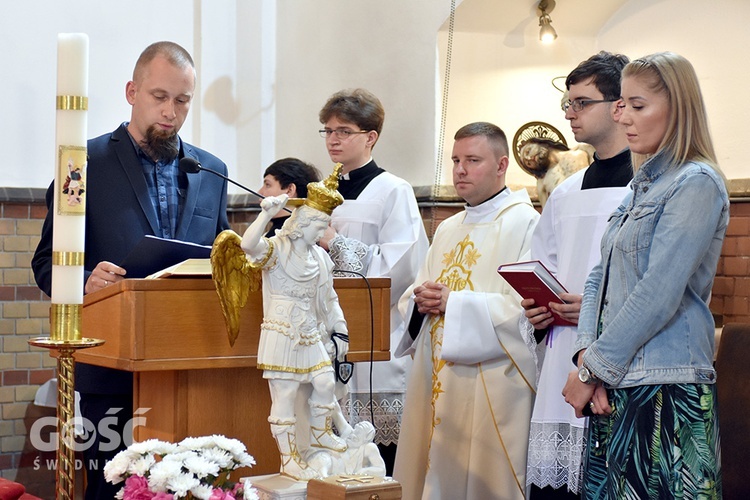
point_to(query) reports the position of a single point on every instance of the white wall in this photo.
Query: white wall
(264, 70)
(507, 81)
(388, 47)
(28, 41)
(267, 66)
(714, 37)
(508, 86)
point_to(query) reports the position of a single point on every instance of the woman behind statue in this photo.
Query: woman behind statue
(646, 335)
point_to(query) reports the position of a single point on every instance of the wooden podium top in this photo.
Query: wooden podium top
(177, 324)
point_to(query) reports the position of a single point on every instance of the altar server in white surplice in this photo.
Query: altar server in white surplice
(567, 241)
(469, 396)
(377, 232)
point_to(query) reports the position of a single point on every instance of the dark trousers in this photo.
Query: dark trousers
(99, 410)
(548, 493)
(388, 452)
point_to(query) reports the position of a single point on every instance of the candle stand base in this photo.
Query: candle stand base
(65, 480)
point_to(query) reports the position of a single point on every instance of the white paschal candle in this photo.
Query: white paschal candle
(68, 236)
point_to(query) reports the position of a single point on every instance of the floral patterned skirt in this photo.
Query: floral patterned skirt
(661, 441)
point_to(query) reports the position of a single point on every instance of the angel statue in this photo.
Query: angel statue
(552, 162)
(302, 320)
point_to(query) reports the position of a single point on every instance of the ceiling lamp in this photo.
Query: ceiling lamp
(547, 33)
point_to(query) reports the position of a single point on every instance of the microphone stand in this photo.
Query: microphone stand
(194, 163)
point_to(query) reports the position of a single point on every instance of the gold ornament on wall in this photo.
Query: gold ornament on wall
(541, 151)
(534, 130)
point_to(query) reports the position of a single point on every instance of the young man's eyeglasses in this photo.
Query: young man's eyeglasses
(341, 133)
(579, 104)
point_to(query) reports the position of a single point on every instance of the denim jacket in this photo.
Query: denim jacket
(649, 294)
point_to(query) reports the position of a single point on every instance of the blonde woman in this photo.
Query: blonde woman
(646, 335)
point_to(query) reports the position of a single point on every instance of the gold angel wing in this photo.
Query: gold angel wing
(234, 278)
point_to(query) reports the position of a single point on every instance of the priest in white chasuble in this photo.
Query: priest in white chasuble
(471, 390)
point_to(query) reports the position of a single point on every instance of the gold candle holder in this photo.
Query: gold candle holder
(65, 322)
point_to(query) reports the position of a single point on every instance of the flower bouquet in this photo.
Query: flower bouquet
(196, 468)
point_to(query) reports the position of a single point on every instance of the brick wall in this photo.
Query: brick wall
(24, 309)
(731, 292)
(24, 313)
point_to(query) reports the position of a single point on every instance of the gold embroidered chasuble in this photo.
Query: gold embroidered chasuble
(466, 424)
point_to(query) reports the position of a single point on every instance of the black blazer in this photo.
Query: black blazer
(119, 213)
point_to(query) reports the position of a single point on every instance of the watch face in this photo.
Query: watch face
(584, 375)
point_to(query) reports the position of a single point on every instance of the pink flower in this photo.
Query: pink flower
(219, 494)
(136, 488)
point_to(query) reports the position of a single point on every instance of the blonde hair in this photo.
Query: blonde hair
(688, 137)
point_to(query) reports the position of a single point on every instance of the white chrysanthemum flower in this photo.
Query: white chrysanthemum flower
(115, 468)
(248, 492)
(161, 473)
(181, 483)
(201, 467)
(120, 494)
(128, 454)
(166, 449)
(151, 446)
(202, 491)
(244, 460)
(221, 457)
(178, 469)
(157, 483)
(141, 466)
(233, 446)
(180, 456)
(196, 443)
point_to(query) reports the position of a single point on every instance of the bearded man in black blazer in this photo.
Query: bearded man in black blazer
(135, 188)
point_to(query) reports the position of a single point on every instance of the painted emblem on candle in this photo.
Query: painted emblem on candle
(72, 180)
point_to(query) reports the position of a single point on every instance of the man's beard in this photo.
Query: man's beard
(160, 145)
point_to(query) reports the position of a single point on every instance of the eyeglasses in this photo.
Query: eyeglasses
(341, 133)
(579, 104)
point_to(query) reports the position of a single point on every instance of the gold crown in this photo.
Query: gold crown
(323, 195)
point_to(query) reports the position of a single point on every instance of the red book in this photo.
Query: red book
(532, 280)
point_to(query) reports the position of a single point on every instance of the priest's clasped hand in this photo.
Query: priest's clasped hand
(431, 297)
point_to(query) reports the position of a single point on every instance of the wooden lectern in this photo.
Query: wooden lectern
(170, 333)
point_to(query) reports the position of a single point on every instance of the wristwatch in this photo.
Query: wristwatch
(585, 376)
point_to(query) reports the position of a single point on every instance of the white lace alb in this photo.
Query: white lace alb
(387, 408)
(555, 453)
(348, 255)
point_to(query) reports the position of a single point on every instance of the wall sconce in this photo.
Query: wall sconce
(547, 33)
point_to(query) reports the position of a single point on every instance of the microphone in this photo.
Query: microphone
(192, 166)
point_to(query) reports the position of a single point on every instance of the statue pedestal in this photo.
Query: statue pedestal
(277, 487)
(340, 487)
(353, 487)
